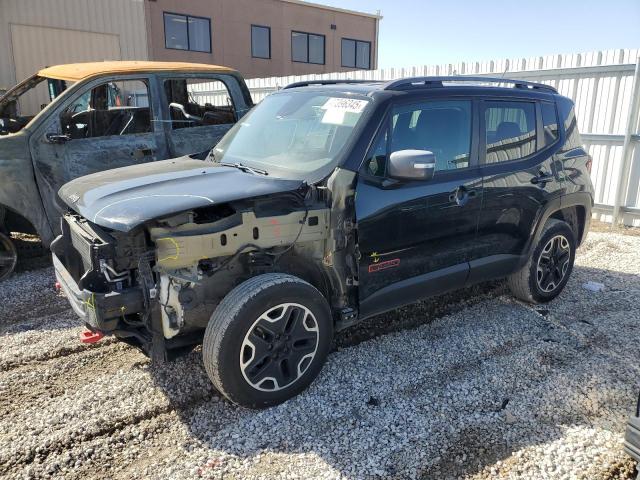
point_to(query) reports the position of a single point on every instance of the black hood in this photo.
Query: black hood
(123, 198)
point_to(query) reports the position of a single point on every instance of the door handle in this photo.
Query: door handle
(57, 138)
(542, 178)
(461, 195)
(139, 153)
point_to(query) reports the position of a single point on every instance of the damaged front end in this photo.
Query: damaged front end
(158, 284)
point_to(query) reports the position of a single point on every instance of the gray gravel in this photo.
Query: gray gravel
(482, 387)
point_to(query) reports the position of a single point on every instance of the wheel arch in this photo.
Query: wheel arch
(12, 221)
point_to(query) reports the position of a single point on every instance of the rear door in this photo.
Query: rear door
(521, 179)
(415, 237)
(200, 109)
(106, 124)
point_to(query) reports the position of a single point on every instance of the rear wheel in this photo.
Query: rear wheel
(8, 256)
(548, 270)
(267, 340)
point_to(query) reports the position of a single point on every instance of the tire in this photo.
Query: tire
(8, 257)
(546, 273)
(267, 340)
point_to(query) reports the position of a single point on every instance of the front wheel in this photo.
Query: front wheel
(267, 340)
(8, 256)
(548, 270)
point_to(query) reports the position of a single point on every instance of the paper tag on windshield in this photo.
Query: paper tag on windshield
(342, 111)
(352, 105)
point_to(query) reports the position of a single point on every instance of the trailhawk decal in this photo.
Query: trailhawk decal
(378, 265)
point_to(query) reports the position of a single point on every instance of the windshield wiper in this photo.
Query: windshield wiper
(245, 168)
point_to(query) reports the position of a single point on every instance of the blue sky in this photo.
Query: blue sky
(415, 32)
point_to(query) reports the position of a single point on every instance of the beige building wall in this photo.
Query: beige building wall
(39, 33)
(231, 22)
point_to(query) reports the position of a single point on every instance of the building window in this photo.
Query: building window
(260, 41)
(356, 54)
(183, 32)
(307, 48)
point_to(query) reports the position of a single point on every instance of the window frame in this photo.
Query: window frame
(482, 148)
(187, 17)
(269, 35)
(355, 51)
(167, 122)
(88, 88)
(324, 47)
(439, 175)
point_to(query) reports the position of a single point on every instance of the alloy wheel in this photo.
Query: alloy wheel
(553, 263)
(279, 347)
(8, 256)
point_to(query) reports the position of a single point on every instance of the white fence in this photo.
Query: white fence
(600, 83)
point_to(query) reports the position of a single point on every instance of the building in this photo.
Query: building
(260, 38)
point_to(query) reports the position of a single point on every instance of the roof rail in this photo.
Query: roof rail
(427, 82)
(307, 83)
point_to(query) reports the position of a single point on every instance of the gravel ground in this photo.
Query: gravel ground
(471, 385)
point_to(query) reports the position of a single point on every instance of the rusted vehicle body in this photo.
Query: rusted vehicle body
(68, 121)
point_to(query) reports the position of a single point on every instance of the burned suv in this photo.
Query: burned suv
(328, 203)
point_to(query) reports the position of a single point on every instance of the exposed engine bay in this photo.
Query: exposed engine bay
(158, 284)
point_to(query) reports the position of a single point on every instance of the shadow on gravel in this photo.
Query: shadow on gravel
(450, 397)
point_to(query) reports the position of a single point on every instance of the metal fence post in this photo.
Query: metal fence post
(627, 149)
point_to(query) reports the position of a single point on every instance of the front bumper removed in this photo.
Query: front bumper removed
(100, 311)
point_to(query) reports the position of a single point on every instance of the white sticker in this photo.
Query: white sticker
(345, 104)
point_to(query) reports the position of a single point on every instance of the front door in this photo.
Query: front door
(415, 237)
(108, 124)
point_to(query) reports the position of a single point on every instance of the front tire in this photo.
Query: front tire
(267, 340)
(548, 270)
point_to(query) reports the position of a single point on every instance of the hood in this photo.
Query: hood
(123, 198)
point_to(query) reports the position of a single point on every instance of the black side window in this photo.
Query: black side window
(376, 162)
(441, 127)
(549, 122)
(510, 130)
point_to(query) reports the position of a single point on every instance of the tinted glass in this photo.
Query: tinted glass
(260, 42)
(443, 128)
(175, 31)
(376, 162)
(316, 49)
(348, 53)
(510, 130)
(549, 122)
(363, 51)
(299, 47)
(199, 34)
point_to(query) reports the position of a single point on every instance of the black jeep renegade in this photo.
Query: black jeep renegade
(327, 203)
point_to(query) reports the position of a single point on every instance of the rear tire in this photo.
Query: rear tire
(8, 257)
(546, 273)
(267, 340)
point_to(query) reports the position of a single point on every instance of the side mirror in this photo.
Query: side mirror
(412, 165)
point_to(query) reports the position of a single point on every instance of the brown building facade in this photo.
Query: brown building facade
(262, 38)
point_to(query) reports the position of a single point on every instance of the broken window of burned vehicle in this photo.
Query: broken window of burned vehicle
(23, 102)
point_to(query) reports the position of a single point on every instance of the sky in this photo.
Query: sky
(418, 32)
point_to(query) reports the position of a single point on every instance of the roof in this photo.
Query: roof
(79, 71)
(334, 9)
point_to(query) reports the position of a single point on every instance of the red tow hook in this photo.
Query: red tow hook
(91, 337)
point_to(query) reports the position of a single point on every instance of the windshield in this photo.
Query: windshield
(292, 134)
(24, 101)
